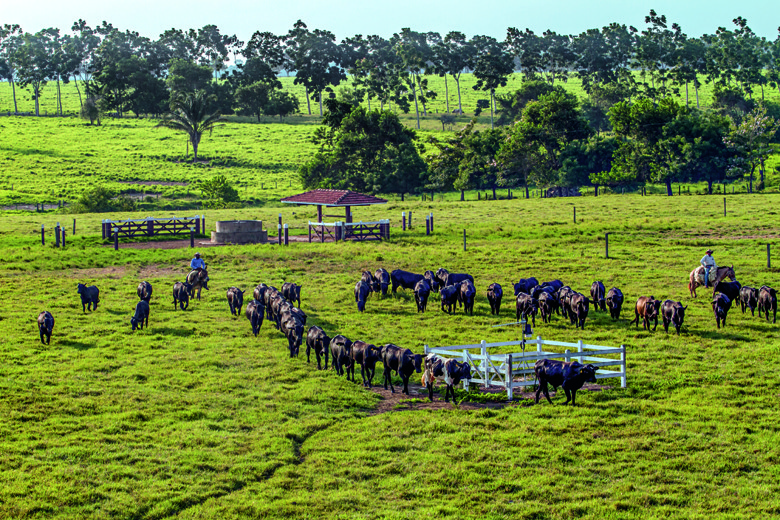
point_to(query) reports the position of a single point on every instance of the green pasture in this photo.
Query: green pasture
(196, 418)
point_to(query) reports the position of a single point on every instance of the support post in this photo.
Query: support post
(62, 231)
(286, 236)
(579, 349)
(279, 226)
(403, 219)
(74, 226)
(768, 257)
(322, 233)
(57, 235)
(431, 215)
(197, 225)
(319, 214)
(575, 214)
(509, 393)
(192, 237)
(116, 239)
(310, 232)
(606, 244)
(427, 226)
(724, 206)
(410, 219)
(337, 231)
(43, 236)
(485, 365)
(623, 364)
(567, 356)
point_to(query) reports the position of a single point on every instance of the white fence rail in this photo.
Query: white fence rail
(502, 369)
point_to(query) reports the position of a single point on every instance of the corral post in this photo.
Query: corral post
(575, 214)
(116, 239)
(410, 219)
(286, 236)
(62, 231)
(425, 349)
(43, 236)
(192, 237)
(149, 227)
(403, 219)
(203, 224)
(57, 235)
(606, 244)
(431, 221)
(322, 233)
(464, 239)
(197, 225)
(509, 394)
(567, 356)
(538, 344)
(768, 257)
(310, 232)
(337, 231)
(579, 349)
(427, 226)
(623, 363)
(485, 364)
(279, 226)
(724, 206)
(319, 214)
(74, 226)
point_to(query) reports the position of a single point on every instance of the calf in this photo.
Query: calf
(597, 296)
(432, 280)
(259, 292)
(721, 305)
(494, 295)
(145, 291)
(382, 277)
(748, 299)
(421, 292)
(404, 279)
(45, 326)
(578, 307)
(319, 342)
(449, 297)
(361, 293)
(569, 375)
(547, 305)
(340, 353)
(292, 292)
(674, 313)
(181, 295)
(526, 285)
(403, 361)
(730, 289)
(141, 316)
(526, 306)
(90, 297)
(254, 313)
(614, 302)
(466, 294)
(367, 277)
(292, 328)
(447, 370)
(366, 355)
(647, 308)
(235, 298)
(767, 301)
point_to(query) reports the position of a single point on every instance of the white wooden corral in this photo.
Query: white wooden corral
(501, 369)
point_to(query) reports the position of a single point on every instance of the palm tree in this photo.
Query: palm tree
(189, 113)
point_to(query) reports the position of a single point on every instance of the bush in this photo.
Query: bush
(219, 193)
(101, 200)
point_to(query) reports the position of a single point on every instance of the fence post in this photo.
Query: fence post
(579, 349)
(322, 233)
(192, 237)
(464, 239)
(43, 236)
(623, 363)
(279, 229)
(485, 364)
(197, 225)
(280, 219)
(575, 214)
(62, 231)
(567, 356)
(768, 257)
(427, 226)
(403, 219)
(410, 219)
(116, 239)
(74, 226)
(57, 235)
(724, 206)
(431, 221)
(509, 393)
(286, 236)
(606, 244)
(310, 231)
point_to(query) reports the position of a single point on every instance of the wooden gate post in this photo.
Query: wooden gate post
(606, 244)
(509, 392)
(427, 226)
(279, 226)
(74, 226)
(623, 364)
(464, 239)
(116, 239)
(485, 364)
(310, 232)
(197, 225)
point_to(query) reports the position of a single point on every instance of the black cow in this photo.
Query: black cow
(45, 326)
(421, 292)
(578, 307)
(259, 292)
(648, 309)
(145, 291)
(563, 299)
(367, 277)
(268, 296)
(547, 305)
(449, 371)
(569, 375)
(466, 294)
(361, 293)
(614, 302)
(730, 289)
(674, 313)
(235, 298)
(90, 297)
(597, 296)
(538, 290)
(254, 313)
(404, 279)
(141, 316)
(292, 328)
(277, 300)
(403, 361)
(181, 295)
(382, 277)
(748, 299)
(449, 297)
(286, 310)
(441, 277)
(526, 306)
(458, 278)
(526, 285)
(767, 301)
(430, 277)
(292, 292)
(494, 295)
(555, 284)
(340, 353)
(720, 306)
(319, 342)
(366, 355)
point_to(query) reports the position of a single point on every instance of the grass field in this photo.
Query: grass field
(196, 418)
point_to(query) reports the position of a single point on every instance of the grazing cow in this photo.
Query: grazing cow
(181, 295)
(383, 279)
(767, 301)
(340, 353)
(563, 299)
(292, 292)
(721, 305)
(90, 297)
(404, 279)
(748, 299)
(403, 361)
(555, 284)
(361, 293)
(366, 355)
(466, 294)
(449, 297)
(45, 326)
(648, 309)
(614, 302)
(597, 296)
(430, 277)
(526, 306)
(254, 313)
(458, 278)
(198, 279)
(141, 316)
(319, 342)
(268, 298)
(259, 293)
(526, 285)
(292, 328)
(421, 292)
(235, 298)
(730, 289)
(447, 370)
(145, 291)
(547, 305)
(494, 295)
(578, 307)
(569, 375)
(674, 313)
(367, 277)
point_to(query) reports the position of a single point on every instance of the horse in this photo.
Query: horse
(697, 277)
(199, 278)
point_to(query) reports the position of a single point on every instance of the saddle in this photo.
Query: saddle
(699, 273)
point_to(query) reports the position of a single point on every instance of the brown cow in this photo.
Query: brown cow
(648, 308)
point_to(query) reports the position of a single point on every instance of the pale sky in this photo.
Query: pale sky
(349, 17)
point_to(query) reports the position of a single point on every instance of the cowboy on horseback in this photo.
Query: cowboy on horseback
(708, 263)
(197, 263)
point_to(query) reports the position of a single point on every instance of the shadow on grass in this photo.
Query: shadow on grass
(78, 345)
(169, 331)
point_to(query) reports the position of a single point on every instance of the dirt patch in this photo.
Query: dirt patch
(162, 271)
(113, 272)
(168, 244)
(155, 183)
(718, 236)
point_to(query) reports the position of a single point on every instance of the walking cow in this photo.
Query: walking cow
(597, 296)
(319, 342)
(90, 297)
(421, 293)
(614, 301)
(145, 291)
(141, 316)
(403, 361)
(569, 375)
(449, 371)
(767, 301)
(382, 277)
(45, 326)
(181, 295)
(235, 298)
(494, 295)
(674, 313)
(254, 313)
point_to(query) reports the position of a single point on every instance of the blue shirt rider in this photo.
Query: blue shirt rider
(197, 263)
(708, 262)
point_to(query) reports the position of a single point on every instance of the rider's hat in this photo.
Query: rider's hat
(709, 251)
(197, 254)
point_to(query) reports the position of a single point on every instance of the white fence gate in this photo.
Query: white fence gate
(501, 369)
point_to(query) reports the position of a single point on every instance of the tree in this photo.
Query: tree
(215, 48)
(453, 55)
(10, 40)
(512, 105)
(413, 49)
(583, 160)
(750, 140)
(253, 98)
(82, 48)
(492, 67)
(189, 113)
(34, 62)
(187, 76)
(478, 167)
(526, 47)
(315, 58)
(280, 104)
(219, 193)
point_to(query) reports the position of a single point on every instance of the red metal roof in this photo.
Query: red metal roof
(333, 198)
